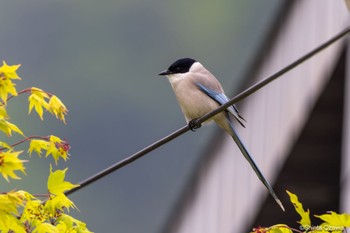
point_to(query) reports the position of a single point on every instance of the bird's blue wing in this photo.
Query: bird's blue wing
(221, 99)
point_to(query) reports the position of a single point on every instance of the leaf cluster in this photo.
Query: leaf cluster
(21, 211)
(332, 221)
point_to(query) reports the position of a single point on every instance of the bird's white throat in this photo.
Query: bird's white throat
(175, 78)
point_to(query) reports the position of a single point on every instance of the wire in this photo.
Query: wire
(207, 116)
(271, 78)
(129, 159)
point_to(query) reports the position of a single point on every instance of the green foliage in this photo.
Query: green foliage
(21, 211)
(333, 222)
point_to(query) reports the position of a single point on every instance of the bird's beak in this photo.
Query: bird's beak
(165, 72)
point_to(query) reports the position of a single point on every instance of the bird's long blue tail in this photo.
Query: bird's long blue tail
(252, 163)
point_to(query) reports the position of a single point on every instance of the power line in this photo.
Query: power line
(276, 75)
(209, 115)
(129, 159)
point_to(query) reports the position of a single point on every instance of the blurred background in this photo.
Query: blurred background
(102, 59)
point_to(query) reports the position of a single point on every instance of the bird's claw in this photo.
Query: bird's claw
(193, 125)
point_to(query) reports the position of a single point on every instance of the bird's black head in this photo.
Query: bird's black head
(180, 66)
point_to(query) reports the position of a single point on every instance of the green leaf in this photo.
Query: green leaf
(279, 228)
(3, 113)
(5, 145)
(45, 228)
(37, 100)
(334, 219)
(56, 183)
(38, 145)
(305, 215)
(11, 163)
(8, 127)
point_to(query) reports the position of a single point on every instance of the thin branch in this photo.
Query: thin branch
(29, 89)
(18, 93)
(24, 140)
(200, 120)
(41, 195)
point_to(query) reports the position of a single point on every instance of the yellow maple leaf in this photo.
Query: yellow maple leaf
(7, 87)
(10, 223)
(5, 145)
(37, 100)
(4, 127)
(67, 223)
(7, 204)
(56, 183)
(33, 212)
(335, 220)
(57, 108)
(9, 163)
(9, 71)
(3, 112)
(52, 150)
(24, 195)
(58, 148)
(45, 228)
(54, 146)
(14, 128)
(305, 215)
(279, 228)
(36, 145)
(7, 127)
(59, 202)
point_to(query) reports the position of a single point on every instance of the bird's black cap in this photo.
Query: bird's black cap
(182, 65)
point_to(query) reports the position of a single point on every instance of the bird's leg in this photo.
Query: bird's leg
(193, 124)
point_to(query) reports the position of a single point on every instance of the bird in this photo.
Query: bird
(198, 93)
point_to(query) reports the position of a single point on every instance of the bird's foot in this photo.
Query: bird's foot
(193, 125)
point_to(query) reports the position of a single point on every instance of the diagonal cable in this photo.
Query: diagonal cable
(207, 116)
